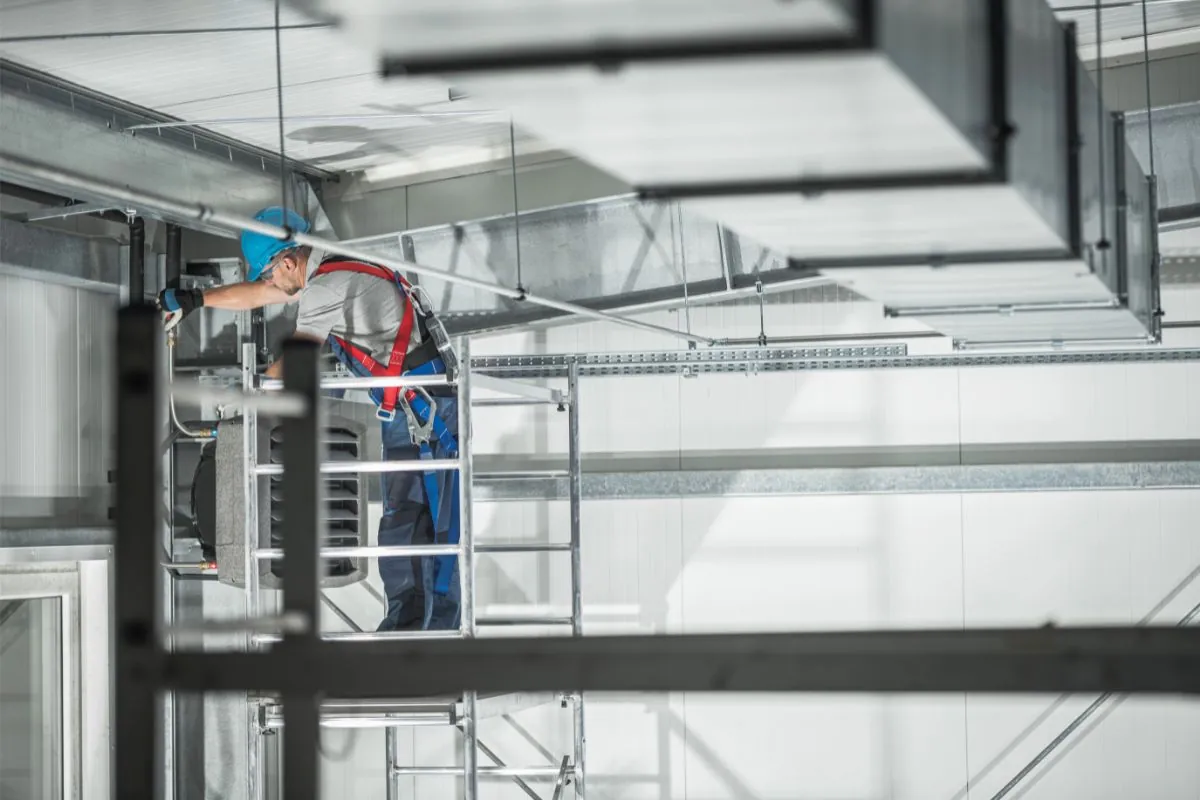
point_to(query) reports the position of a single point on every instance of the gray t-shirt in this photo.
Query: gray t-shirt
(359, 308)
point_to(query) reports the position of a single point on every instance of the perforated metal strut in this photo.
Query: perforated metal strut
(757, 360)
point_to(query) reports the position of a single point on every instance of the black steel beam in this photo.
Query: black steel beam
(923, 260)
(1119, 659)
(174, 260)
(815, 187)
(1179, 213)
(137, 572)
(1074, 141)
(612, 56)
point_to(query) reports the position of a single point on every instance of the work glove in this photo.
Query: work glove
(175, 304)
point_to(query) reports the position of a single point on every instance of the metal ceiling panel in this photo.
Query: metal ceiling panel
(1123, 21)
(214, 64)
(73, 18)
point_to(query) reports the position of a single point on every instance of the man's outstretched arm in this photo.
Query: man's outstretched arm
(245, 296)
(178, 303)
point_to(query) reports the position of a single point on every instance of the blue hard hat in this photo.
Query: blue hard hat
(258, 250)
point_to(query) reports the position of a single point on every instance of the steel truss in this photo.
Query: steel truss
(1116, 659)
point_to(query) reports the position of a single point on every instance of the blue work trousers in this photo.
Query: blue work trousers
(408, 583)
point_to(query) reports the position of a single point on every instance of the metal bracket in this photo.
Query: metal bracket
(564, 771)
(421, 432)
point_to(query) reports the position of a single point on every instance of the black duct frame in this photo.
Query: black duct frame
(612, 56)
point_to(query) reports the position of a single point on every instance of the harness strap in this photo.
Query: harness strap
(421, 408)
(395, 366)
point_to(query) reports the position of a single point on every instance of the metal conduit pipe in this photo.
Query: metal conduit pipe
(174, 256)
(174, 272)
(11, 164)
(137, 260)
(829, 338)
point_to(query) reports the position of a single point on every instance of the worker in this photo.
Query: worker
(376, 324)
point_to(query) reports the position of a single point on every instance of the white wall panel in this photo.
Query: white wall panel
(55, 425)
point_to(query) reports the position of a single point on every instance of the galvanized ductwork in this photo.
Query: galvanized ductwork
(948, 158)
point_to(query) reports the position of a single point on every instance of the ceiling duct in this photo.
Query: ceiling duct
(948, 158)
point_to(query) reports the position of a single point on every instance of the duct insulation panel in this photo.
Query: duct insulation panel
(912, 134)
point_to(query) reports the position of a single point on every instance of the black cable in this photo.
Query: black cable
(1100, 112)
(512, 144)
(283, 179)
(1149, 107)
(54, 37)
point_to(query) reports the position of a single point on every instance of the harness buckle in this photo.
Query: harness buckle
(384, 414)
(421, 431)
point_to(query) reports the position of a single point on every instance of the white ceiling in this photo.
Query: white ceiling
(1168, 23)
(339, 114)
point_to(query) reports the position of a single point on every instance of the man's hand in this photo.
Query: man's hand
(177, 304)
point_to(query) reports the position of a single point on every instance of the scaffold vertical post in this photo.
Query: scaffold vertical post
(575, 467)
(250, 512)
(466, 565)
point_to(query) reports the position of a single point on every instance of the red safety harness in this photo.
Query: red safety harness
(395, 365)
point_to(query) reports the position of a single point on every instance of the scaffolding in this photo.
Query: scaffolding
(462, 711)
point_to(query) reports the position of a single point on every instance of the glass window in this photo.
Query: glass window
(31, 697)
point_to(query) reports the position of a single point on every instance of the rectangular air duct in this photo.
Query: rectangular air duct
(949, 158)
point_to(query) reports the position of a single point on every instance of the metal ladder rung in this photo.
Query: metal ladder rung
(369, 551)
(524, 621)
(369, 636)
(355, 467)
(335, 381)
(525, 475)
(520, 547)
(500, 772)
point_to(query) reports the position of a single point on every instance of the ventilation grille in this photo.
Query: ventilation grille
(345, 501)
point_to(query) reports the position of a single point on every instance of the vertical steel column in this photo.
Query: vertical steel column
(466, 565)
(392, 790)
(470, 747)
(466, 534)
(136, 568)
(575, 466)
(302, 518)
(250, 511)
(137, 261)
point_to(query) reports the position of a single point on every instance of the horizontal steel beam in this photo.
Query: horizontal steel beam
(40, 131)
(855, 480)
(1117, 659)
(41, 545)
(122, 116)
